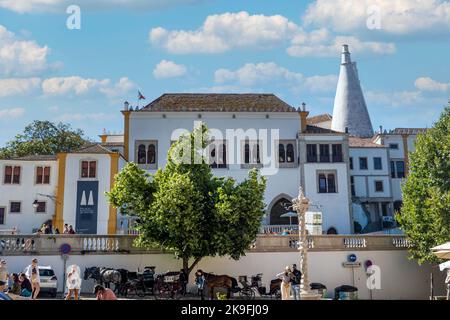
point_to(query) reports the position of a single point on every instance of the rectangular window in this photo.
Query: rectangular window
(2, 215)
(377, 163)
(363, 163)
(393, 146)
(327, 182)
(337, 152)
(88, 169)
(352, 185)
(378, 186)
(42, 175)
(41, 207)
(392, 169)
(351, 163)
(15, 207)
(12, 175)
(311, 153)
(324, 153)
(218, 154)
(400, 169)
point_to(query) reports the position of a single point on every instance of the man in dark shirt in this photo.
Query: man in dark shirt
(183, 281)
(296, 280)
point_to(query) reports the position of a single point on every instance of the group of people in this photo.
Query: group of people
(48, 229)
(23, 285)
(290, 282)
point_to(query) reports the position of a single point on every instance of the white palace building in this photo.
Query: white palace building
(349, 172)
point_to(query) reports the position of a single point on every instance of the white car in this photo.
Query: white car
(49, 281)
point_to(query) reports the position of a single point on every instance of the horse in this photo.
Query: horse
(220, 281)
(104, 276)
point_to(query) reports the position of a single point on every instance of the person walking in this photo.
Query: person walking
(4, 275)
(73, 282)
(296, 280)
(200, 283)
(103, 293)
(285, 286)
(32, 273)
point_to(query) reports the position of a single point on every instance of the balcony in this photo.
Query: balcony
(19, 245)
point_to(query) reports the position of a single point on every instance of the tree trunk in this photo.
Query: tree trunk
(186, 267)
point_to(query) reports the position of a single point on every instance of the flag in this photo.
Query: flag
(140, 96)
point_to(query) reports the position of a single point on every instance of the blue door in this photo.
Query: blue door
(87, 207)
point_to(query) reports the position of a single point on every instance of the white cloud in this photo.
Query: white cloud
(85, 116)
(59, 6)
(18, 86)
(395, 98)
(6, 114)
(397, 17)
(270, 73)
(20, 57)
(169, 69)
(320, 43)
(76, 85)
(223, 32)
(428, 84)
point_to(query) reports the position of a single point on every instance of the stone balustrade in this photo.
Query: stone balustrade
(106, 244)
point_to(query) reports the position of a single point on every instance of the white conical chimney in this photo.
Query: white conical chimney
(350, 108)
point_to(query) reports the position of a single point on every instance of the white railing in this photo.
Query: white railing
(277, 229)
(111, 244)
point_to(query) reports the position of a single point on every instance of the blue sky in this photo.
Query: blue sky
(290, 48)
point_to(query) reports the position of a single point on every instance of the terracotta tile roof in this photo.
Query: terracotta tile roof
(112, 144)
(35, 157)
(314, 129)
(319, 118)
(95, 148)
(215, 102)
(408, 130)
(357, 142)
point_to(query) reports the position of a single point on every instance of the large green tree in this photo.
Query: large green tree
(186, 209)
(425, 215)
(44, 138)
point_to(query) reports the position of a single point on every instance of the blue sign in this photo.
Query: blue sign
(65, 248)
(351, 257)
(87, 207)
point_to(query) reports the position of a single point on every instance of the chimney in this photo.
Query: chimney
(126, 104)
(345, 55)
(381, 129)
(303, 115)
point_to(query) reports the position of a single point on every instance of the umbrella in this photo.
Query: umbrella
(442, 251)
(445, 265)
(289, 215)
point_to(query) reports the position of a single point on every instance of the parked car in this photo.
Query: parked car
(49, 281)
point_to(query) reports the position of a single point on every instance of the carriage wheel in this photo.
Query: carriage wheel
(277, 293)
(129, 291)
(246, 293)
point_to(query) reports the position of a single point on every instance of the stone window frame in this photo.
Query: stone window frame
(252, 144)
(4, 216)
(285, 143)
(13, 166)
(89, 160)
(41, 212)
(43, 166)
(217, 144)
(375, 186)
(367, 163)
(10, 207)
(381, 163)
(326, 173)
(147, 143)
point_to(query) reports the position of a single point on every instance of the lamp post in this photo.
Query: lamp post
(301, 205)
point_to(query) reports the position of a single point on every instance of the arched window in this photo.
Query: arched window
(223, 156)
(290, 153)
(281, 153)
(256, 156)
(247, 153)
(151, 154)
(332, 230)
(212, 157)
(141, 154)
(281, 207)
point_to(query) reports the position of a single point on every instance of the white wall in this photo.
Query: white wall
(73, 175)
(26, 192)
(335, 206)
(152, 126)
(401, 278)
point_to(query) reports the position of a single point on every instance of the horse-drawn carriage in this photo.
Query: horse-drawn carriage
(255, 288)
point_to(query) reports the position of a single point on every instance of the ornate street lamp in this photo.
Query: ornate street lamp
(301, 205)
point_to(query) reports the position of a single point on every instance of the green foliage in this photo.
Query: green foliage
(43, 138)
(425, 215)
(184, 208)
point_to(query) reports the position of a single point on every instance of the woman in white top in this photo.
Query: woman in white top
(73, 281)
(32, 273)
(286, 278)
